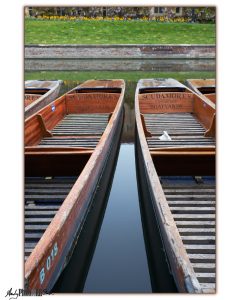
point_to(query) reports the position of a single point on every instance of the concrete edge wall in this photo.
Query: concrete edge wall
(163, 65)
(120, 51)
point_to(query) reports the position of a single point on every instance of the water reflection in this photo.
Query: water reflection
(73, 277)
(162, 280)
(120, 263)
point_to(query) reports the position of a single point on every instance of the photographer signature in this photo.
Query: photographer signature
(21, 292)
(12, 295)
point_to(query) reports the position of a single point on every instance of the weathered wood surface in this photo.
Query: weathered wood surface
(37, 192)
(190, 209)
(204, 87)
(38, 94)
(184, 129)
(180, 110)
(50, 253)
(30, 98)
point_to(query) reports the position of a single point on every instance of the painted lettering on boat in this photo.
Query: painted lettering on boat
(94, 96)
(89, 103)
(167, 106)
(31, 97)
(166, 103)
(167, 96)
(48, 263)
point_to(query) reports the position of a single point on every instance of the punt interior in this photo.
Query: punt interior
(185, 166)
(187, 119)
(74, 122)
(59, 141)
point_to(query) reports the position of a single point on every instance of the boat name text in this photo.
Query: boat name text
(168, 96)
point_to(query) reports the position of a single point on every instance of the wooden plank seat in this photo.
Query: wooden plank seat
(81, 124)
(183, 128)
(43, 197)
(192, 204)
(83, 141)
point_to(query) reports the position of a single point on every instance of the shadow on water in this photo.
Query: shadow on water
(162, 280)
(120, 264)
(73, 277)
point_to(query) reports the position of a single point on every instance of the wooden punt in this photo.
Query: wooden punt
(179, 175)
(67, 148)
(203, 87)
(39, 93)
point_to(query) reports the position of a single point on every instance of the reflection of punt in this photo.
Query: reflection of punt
(38, 94)
(67, 145)
(180, 177)
(203, 87)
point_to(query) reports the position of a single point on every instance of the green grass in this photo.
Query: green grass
(128, 76)
(117, 32)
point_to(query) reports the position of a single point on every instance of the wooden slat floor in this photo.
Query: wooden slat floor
(84, 141)
(192, 203)
(183, 128)
(81, 124)
(43, 197)
(77, 130)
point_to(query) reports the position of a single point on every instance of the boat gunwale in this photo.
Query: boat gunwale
(52, 93)
(83, 187)
(183, 273)
(195, 88)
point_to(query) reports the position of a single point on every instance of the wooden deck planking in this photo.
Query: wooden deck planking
(81, 124)
(41, 196)
(77, 130)
(70, 141)
(183, 128)
(195, 220)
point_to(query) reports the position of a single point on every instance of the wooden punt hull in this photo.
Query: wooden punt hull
(203, 87)
(83, 253)
(186, 225)
(38, 94)
(70, 202)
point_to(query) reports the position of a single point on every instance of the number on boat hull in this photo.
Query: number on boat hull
(48, 263)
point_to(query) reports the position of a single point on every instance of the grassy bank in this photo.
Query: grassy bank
(72, 79)
(117, 32)
(129, 76)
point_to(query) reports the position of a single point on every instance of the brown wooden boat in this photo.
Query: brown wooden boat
(179, 176)
(67, 148)
(39, 93)
(203, 87)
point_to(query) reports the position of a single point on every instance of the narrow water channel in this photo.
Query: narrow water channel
(119, 263)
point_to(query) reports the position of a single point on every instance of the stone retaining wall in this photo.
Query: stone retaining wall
(159, 65)
(120, 51)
